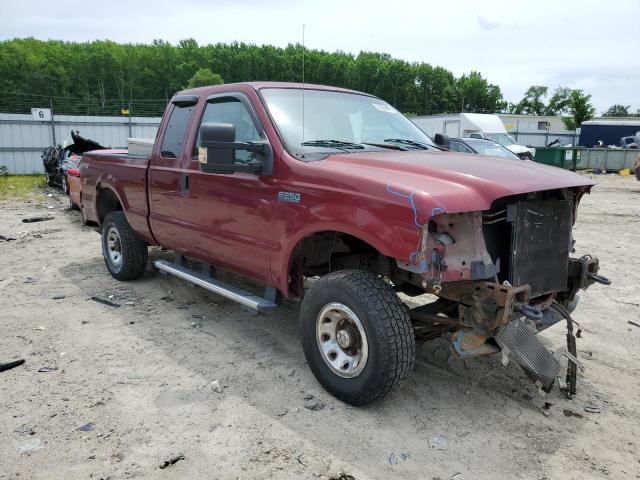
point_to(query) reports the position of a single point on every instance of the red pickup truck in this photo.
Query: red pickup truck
(279, 182)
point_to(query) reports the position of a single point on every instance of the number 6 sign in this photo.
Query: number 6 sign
(43, 114)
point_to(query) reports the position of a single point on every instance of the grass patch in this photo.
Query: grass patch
(21, 186)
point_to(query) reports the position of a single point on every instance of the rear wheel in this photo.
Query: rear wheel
(357, 336)
(65, 184)
(72, 206)
(124, 254)
(83, 216)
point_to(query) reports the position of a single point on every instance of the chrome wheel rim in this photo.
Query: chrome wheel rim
(114, 247)
(342, 340)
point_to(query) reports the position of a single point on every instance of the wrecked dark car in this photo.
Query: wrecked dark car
(341, 205)
(58, 160)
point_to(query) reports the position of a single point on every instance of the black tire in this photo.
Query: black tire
(72, 206)
(65, 184)
(386, 323)
(133, 252)
(51, 180)
(83, 216)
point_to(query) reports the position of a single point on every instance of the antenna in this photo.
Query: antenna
(303, 49)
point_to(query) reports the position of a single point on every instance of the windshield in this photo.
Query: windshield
(339, 121)
(485, 147)
(503, 139)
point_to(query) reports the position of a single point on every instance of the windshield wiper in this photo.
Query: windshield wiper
(388, 146)
(412, 143)
(339, 144)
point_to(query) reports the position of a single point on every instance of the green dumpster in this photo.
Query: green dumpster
(550, 156)
(558, 156)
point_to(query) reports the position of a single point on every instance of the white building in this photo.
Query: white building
(531, 130)
(538, 130)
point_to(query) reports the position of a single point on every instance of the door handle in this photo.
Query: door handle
(184, 184)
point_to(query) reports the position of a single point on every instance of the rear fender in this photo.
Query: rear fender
(122, 190)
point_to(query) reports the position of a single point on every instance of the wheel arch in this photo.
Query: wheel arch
(315, 250)
(107, 201)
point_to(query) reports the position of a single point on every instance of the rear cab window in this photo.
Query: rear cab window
(176, 132)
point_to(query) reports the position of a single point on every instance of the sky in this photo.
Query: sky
(586, 44)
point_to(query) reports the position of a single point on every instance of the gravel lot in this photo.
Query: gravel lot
(180, 383)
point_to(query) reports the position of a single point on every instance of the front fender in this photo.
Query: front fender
(392, 238)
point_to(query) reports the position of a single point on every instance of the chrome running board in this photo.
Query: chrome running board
(255, 302)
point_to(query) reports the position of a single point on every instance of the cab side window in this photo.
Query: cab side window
(231, 110)
(174, 135)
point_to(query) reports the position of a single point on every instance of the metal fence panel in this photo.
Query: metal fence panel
(543, 139)
(22, 139)
(607, 158)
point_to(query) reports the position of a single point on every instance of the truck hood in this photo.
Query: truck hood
(443, 181)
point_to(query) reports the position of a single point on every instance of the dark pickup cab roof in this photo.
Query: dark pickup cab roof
(210, 90)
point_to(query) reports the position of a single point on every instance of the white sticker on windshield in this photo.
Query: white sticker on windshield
(384, 107)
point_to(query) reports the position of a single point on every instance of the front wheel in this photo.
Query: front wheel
(357, 336)
(124, 254)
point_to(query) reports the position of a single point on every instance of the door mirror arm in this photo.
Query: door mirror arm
(258, 147)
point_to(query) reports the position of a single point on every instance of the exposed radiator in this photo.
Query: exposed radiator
(525, 348)
(540, 244)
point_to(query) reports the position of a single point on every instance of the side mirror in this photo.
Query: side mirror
(212, 158)
(218, 151)
(442, 140)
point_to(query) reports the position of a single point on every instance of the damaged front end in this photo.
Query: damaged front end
(502, 276)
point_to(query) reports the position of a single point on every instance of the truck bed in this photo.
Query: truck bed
(126, 176)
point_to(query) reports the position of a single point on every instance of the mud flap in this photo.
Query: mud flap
(518, 341)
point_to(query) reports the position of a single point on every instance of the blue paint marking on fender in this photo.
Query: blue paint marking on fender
(416, 266)
(413, 206)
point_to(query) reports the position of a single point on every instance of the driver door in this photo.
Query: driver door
(230, 214)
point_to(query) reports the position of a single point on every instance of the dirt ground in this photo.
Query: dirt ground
(176, 374)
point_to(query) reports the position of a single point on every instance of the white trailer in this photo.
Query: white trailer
(479, 125)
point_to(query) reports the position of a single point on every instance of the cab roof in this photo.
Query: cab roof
(212, 89)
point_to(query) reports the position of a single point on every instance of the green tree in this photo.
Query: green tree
(532, 103)
(104, 77)
(476, 94)
(617, 111)
(579, 109)
(559, 101)
(204, 77)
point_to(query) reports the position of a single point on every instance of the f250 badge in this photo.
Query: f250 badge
(291, 197)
